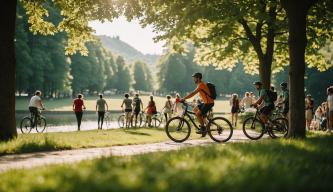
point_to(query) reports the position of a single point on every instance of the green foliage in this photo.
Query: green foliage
(142, 77)
(270, 165)
(123, 75)
(176, 71)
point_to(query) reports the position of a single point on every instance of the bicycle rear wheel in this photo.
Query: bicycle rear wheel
(155, 122)
(280, 127)
(220, 129)
(107, 120)
(41, 124)
(26, 125)
(178, 129)
(253, 128)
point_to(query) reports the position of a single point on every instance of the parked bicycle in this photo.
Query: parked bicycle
(124, 121)
(107, 119)
(31, 122)
(254, 128)
(178, 128)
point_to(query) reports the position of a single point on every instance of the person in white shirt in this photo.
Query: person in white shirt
(247, 101)
(35, 104)
(330, 108)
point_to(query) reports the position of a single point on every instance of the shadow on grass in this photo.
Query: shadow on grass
(132, 132)
(39, 145)
(273, 165)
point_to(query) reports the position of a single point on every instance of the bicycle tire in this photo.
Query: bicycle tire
(41, 125)
(217, 121)
(156, 122)
(247, 130)
(180, 124)
(280, 127)
(26, 125)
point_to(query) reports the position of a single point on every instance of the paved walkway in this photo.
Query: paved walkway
(30, 160)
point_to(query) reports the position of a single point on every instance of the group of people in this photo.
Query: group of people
(267, 101)
(322, 117)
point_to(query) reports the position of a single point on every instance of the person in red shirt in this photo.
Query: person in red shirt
(207, 101)
(78, 107)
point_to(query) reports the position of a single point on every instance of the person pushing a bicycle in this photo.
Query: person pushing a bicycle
(35, 104)
(207, 99)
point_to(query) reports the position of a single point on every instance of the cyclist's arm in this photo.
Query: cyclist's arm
(192, 94)
(96, 106)
(73, 106)
(259, 101)
(122, 104)
(41, 104)
(107, 106)
(141, 104)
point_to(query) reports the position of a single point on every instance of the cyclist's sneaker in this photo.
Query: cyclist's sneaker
(202, 131)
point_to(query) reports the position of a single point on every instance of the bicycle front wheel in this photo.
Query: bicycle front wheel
(220, 129)
(178, 129)
(253, 128)
(155, 122)
(41, 124)
(280, 128)
(26, 125)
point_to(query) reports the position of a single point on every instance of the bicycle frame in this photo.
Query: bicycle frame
(188, 114)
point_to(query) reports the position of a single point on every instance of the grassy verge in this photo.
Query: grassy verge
(83, 139)
(270, 165)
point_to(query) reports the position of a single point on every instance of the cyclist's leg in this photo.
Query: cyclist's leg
(264, 113)
(102, 118)
(98, 118)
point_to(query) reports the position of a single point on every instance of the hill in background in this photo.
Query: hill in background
(119, 47)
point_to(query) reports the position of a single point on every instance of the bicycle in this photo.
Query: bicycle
(123, 120)
(107, 119)
(143, 121)
(28, 123)
(178, 128)
(254, 128)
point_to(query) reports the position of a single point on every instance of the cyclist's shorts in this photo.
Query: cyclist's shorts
(205, 108)
(128, 110)
(266, 110)
(33, 110)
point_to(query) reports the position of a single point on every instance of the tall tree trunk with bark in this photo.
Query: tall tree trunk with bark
(7, 71)
(297, 12)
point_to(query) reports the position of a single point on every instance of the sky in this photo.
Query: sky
(131, 33)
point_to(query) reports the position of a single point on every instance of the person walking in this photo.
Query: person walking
(178, 109)
(234, 103)
(151, 110)
(100, 110)
(308, 110)
(285, 100)
(167, 109)
(78, 107)
(246, 101)
(330, 108)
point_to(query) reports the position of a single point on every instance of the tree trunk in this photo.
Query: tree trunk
(296, 13)
(7, 72)
(265, 72)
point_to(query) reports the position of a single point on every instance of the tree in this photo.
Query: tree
(123, 75)
(297, 13)
(140, 77)
(7, 72)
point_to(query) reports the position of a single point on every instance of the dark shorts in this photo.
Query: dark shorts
(234, 109)
(266, 110)
(101, 113)
(128, 110)
(33, 110)
(205, 108)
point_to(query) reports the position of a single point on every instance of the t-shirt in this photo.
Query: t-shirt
(137, 103)
(35, 101)
(286, 97)
(267, 100)
(128, 103)
(101, 105)
(203, 91)
(78, 103)
(330, 102)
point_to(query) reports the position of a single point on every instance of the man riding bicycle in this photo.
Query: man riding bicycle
(35, 104)
(206, 98)
(268, 107)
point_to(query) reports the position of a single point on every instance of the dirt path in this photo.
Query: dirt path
(30, 160)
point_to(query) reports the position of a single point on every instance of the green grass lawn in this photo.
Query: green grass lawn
(83, 139)
(268, 165)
